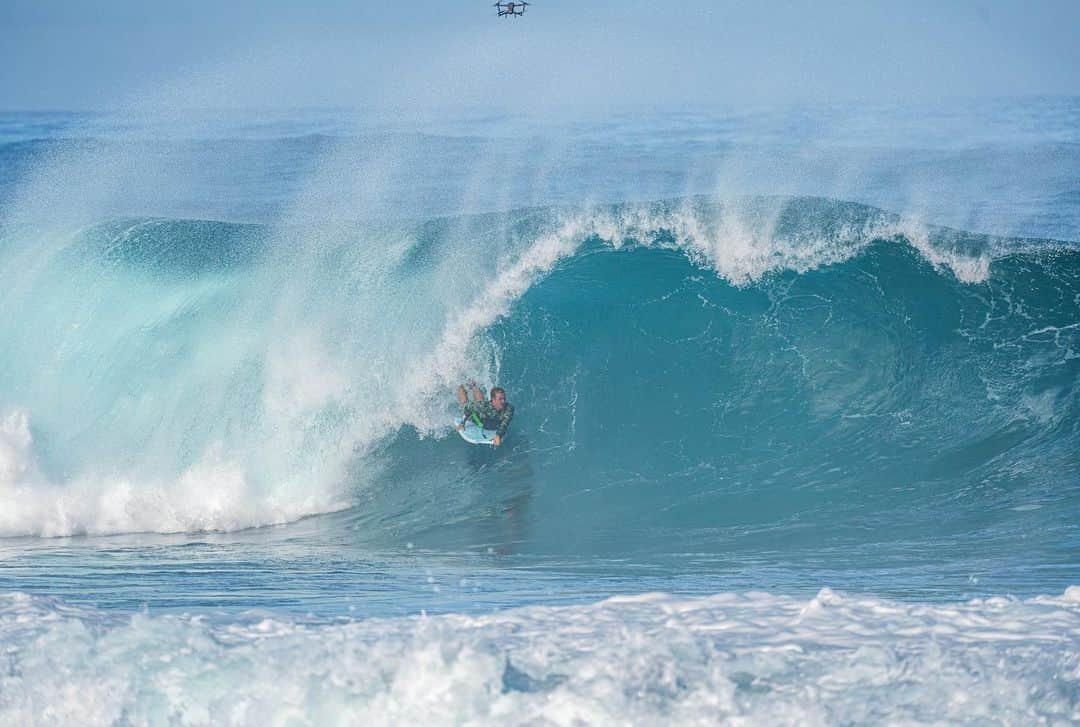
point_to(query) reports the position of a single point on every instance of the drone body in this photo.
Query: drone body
(511, 9)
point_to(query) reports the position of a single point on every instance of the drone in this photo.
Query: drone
(511, 8)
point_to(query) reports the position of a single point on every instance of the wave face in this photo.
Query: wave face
(826, 388)
(691, 378)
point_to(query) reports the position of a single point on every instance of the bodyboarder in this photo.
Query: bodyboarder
(494, 414)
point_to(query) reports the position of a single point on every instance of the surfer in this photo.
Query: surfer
(495, 414)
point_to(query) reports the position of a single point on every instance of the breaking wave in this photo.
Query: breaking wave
(677, 367)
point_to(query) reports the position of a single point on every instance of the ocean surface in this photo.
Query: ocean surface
(797, 435)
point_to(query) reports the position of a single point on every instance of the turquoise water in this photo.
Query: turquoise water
(816, 383)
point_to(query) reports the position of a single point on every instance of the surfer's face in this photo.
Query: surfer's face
(498, 399)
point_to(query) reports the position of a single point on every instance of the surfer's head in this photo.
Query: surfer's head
(498, 397)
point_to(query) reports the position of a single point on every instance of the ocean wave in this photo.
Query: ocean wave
(176, 375)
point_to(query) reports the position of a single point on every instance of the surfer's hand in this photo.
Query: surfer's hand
(497, 440)
(460, 427)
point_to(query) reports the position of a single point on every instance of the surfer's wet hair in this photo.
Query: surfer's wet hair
(498, 390)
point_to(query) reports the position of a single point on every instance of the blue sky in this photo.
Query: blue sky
(57, 54)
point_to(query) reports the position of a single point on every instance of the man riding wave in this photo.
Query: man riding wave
(494, 414)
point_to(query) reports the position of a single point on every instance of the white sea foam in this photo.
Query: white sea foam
(213, 494)
(751, 658)
(742, 243)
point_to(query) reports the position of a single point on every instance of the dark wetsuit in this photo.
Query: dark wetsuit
(490, 418)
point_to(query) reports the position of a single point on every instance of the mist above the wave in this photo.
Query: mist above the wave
(560, 55)
(572, 104)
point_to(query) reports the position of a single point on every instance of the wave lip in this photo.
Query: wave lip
(649, 658)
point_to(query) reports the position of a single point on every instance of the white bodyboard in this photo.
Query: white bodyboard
(475, 435)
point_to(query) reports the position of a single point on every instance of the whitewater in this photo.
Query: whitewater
(798, 414)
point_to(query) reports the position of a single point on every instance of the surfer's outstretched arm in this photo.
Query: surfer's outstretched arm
(461, 397)
(477, 394)
(505, 415)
